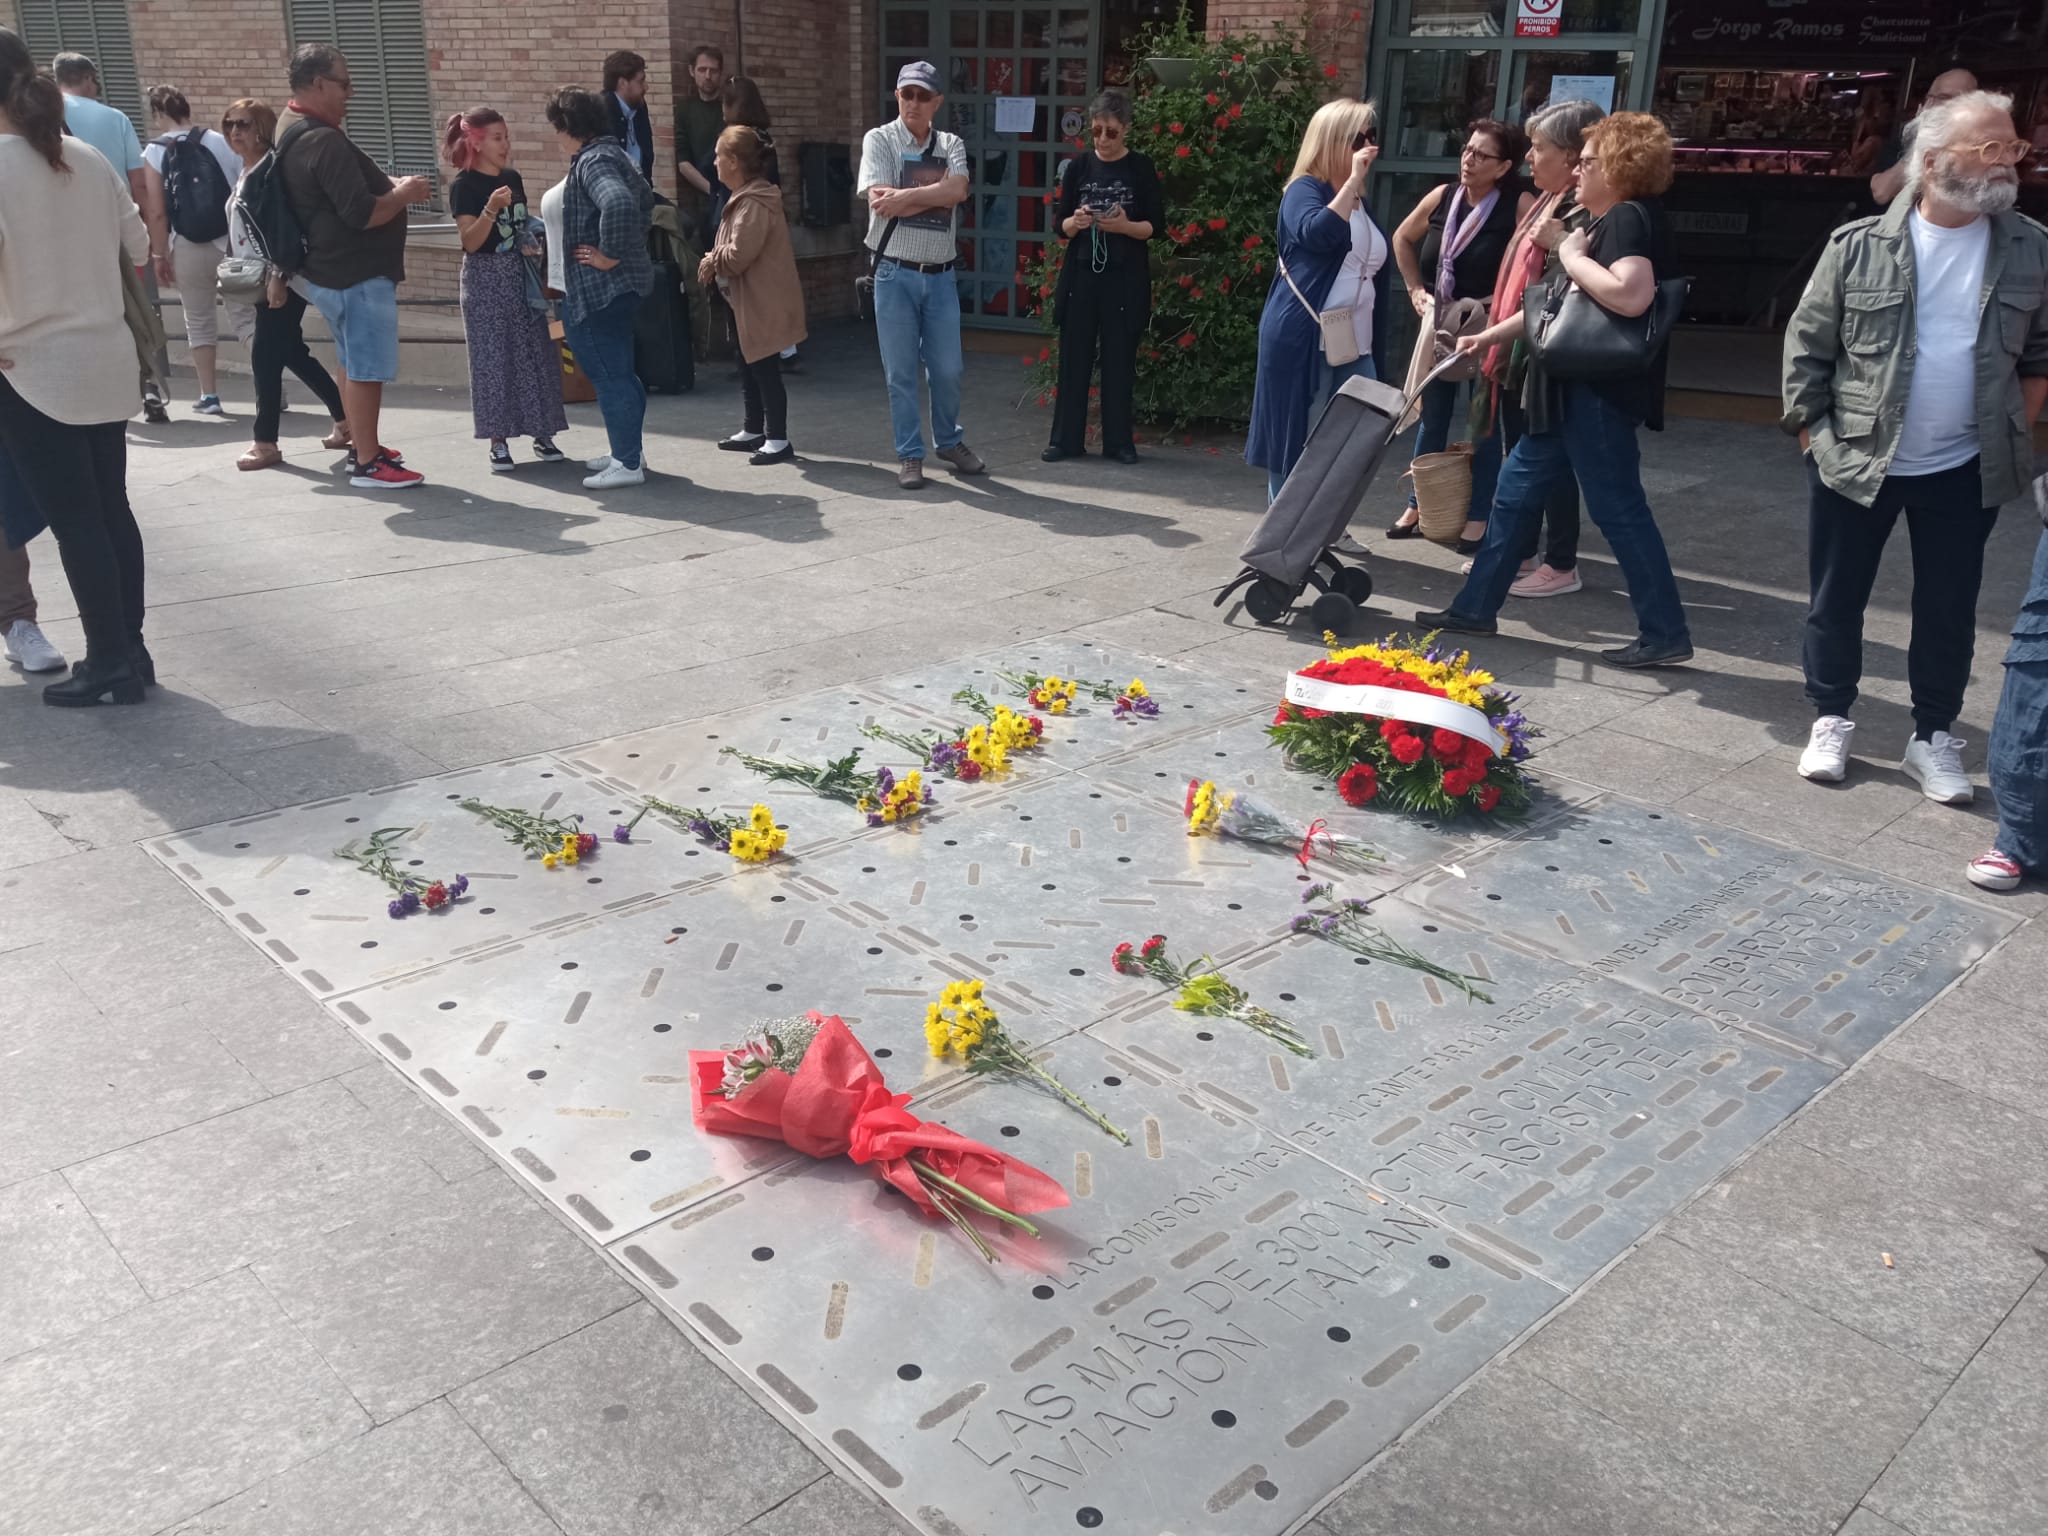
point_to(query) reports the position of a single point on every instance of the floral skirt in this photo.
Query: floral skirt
(515, 377)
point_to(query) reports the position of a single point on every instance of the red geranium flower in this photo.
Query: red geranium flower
(1237, 58)
(1224, 284)
(1253, 242)
(1359, 783)
(1219, 223)
(1489, 796)
(1044, 353)
(1188, 340)
(1222, 121)
(1173, 127)
(1406, 749)
(1186, 280)
(1195, 294)
(1181, 153)
(1330, 70)
(1237, 109)
(1212, 98)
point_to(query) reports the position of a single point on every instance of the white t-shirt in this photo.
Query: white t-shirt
(230, 162)
(1354, 284)
(1940, 430)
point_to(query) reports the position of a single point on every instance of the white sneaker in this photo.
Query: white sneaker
(599, 464)
(30, 649)
(1826, 757)
(1937, 767)
(614, 474)
(1348, 545)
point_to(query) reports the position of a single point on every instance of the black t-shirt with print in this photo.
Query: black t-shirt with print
(1099, 185)
(472, 189)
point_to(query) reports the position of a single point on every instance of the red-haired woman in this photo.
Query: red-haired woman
(515, 382)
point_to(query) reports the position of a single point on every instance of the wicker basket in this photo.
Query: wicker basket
(1443, 493)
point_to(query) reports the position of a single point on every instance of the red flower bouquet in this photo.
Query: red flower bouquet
(1413, 726)
(809, 1084)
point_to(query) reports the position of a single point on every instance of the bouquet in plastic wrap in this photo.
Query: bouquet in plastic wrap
(1214, 812)
(809, 1084)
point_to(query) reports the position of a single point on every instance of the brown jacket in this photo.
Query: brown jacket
(756, 266)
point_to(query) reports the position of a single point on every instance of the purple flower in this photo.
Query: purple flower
(395, 907)
(620, 834)
(410, 900)
(884, 782)
(459, 886)
(1353, 904)
(1315, 892)
(1302, 923)
(875, 818)
(703, 829)
(1331, 924)
(1146, 707)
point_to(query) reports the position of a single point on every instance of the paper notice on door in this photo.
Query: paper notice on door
(1598, 89)
(1537, 18)
(1016, 114)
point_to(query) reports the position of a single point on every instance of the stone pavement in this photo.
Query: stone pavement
(251, 1282)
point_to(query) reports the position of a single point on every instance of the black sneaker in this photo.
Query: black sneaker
(501, 459)
(1637, 655)
(545, 450)
(1457, 623)
(154, 413)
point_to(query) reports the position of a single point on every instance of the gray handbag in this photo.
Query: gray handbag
(243, 279)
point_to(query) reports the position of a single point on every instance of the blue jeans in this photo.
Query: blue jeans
(1327, 380)
(2019, 738)
(917, 322)
(602, 342)
(1598, 444)
(364, 323)
(1433, 435)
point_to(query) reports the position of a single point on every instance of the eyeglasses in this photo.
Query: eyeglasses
(235, 125)
(1478, 152)
(1997, 151)
(913, 93)
(1107, 131)
(348, 86)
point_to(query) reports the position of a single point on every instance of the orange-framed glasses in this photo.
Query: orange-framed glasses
(1998, 151)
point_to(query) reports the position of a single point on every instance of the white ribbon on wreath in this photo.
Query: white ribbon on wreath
(1395, 704)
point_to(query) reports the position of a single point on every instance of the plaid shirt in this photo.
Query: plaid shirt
(605, 203)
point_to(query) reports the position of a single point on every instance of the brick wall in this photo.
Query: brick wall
(215, 51)
(1335, 35)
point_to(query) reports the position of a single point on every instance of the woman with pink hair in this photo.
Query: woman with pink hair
(515, 382)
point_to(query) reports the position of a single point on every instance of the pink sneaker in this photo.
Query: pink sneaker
(1546, 582)
(1994, 871)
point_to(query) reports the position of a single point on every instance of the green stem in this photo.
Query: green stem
(961, 1192)
(1076, 1100)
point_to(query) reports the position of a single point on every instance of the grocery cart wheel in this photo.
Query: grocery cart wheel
(1356, 584)
(1333, 611)
(1267, 600)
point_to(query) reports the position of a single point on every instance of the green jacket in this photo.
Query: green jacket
(1849, 352)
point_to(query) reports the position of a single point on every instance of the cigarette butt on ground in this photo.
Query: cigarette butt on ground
(670, 939)
(1887, 1261)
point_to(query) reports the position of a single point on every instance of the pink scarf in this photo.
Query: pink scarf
(1522, 265)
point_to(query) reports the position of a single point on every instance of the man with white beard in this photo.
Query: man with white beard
(1914, 368)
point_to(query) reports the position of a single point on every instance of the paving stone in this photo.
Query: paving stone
(1943, 871)
(1979, 1465)
(280, 1036)
(484, 735)
(58, 1275)
(1865, 1522)
(626, 1427)
(250, 1185)
(1981, 1040)
(1819, 1231)
(1937, 1143)
(2018, 971)
(408, 1304)
(1767, 796)
(1516, 1454)
(333, 765)
(156, 1415)
(140, 802)
(26, 835)
(829, 1507)
(416, 1123)
(1791, 1411)
(426, 1474)
(1651, 770)
(82, 1084)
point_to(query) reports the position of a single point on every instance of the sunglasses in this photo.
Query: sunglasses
(1480, 152)
(1363, 139)
(236, 125)
(1111, 132)
(913, 93)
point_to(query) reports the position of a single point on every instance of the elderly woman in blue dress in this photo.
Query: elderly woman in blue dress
(1331, 251)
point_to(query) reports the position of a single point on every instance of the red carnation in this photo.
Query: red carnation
(1394, 730)
(1181, 153)
(1458, 783)
(1449, 745)
(1037, 725)
(586, 844)
(1406, 749)
(1173, 127)
(1477, 753)
(1489, 796)
(436, 897)
(1359, 783)
(1123, 960)
(968, 771)
(1153, 945)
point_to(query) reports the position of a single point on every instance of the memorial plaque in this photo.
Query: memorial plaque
(1089, 732)
(275, 880)
(1556, 1123)
(682, 762)
(1036, 887)
(1775, 939)
(569, 1053)
(1217, 1332)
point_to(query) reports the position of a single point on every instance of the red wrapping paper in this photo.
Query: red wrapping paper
(837, 1105)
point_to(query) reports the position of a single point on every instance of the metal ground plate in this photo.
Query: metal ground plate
(1557, 1123)
(1218, 1330)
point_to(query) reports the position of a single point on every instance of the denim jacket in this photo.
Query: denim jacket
(1849, 352)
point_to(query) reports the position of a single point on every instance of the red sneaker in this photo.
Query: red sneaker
(384, 475)
(1994, 871)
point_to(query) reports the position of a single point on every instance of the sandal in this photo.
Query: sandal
(338, 438)
(260, 456)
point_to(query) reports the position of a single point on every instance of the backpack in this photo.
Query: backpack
(267, 210)
(195, 187)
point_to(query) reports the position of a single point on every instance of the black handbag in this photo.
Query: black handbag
(1569, 336)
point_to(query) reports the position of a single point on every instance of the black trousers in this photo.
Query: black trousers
(78, 479)
(1100, 316)
(765, 398)
(1948, 525)
(1556, 533)
(280, 344)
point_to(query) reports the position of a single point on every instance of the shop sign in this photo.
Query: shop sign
(1537, 18)
(1713, 25)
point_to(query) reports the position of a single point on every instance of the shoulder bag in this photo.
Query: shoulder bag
(1339, 334)
(1569, 336)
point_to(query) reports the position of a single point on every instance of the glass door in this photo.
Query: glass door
(1017, 79)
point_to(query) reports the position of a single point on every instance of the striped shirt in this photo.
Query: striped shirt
(605, 203)
(889, 157)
